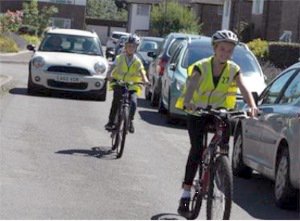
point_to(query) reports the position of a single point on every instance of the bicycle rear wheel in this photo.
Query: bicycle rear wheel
(123, 120)
(196, 200)
(220, 190)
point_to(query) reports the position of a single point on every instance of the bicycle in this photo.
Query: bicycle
(118, 134)
(215, 178)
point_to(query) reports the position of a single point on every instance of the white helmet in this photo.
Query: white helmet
(225, 35)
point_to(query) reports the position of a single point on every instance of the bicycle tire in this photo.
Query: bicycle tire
(222, 176)
(196, 200)
(124, 119)
(115, 134)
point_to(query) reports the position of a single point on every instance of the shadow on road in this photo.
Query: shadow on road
(158, 119)
(167, 216)
(145, 104)
(53, 94)
(256, 196)
(98, 152)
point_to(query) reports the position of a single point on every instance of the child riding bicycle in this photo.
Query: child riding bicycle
(129, 68)
(212, 81)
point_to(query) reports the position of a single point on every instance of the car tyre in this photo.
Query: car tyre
(154, 99)
(238, 166)
(31, 88)
(161, 107)
(285, 194)
(147, 93)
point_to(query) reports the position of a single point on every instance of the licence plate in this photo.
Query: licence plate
(69, 79)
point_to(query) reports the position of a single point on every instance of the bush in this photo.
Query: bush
(283, 54)
(31, 39)
(259, 48)
(7, 44)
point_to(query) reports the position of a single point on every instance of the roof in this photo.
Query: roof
(152, 38)
(71, 32)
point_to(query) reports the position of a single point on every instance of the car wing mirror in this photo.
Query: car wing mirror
(152, 54)
(31, 47)
(173, 67)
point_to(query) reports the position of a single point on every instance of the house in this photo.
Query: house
(266, 19)
(71, 13)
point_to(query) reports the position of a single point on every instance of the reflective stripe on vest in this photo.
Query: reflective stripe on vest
(128, 73)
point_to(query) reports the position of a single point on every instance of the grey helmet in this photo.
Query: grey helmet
(225, 35)
(133, 39)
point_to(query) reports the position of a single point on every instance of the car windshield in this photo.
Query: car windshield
(241, 56)
(71, 44)
(148, 45)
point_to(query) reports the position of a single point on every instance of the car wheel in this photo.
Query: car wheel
(147, 93)
(161, 107)
(31, 88)
(285, 194)
(154, 99)
(101, 96)
(238, 167)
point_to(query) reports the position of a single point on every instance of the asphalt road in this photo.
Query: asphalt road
(56, 162)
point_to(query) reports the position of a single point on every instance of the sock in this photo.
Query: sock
(186, 194)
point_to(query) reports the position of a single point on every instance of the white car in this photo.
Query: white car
(270, 144)
(112, 42)
(69, 60)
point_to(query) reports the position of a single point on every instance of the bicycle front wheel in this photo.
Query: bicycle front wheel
(196, 201)
(124, 120)
(219, 197)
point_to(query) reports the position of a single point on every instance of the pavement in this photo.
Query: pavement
(22, 57)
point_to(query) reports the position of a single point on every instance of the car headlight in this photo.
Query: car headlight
(100, 68)
(38, 62)
(179, 85)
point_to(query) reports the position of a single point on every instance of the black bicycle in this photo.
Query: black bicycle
(214, 182)
(118, 135)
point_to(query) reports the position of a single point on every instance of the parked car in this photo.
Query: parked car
(270, 144)
(120, 45)
(148, 44)
(112, 41)
(157, 66)
(189, 52)
(68, 60)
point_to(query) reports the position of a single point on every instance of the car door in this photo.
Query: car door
(254, 140)
(279, 123)
(168, 77)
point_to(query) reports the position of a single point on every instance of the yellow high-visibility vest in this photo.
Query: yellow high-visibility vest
(131, 73)
(223, 95)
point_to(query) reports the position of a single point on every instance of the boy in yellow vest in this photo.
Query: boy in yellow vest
(129, 68)
(212, 81)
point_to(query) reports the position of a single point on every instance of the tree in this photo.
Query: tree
(36, 20)
(105, 9)
(170, 16)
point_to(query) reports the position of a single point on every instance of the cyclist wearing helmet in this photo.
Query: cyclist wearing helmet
(129, 68)
(211, 81)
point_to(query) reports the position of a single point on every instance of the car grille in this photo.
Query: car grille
(57, 84)
(70, 70)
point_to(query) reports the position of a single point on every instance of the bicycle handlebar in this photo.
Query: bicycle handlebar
(223, 113)
(126, 84)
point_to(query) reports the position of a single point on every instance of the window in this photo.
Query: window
(292, 93)
(275, 89)
(220, 10)
(175, 58)
(61, 22)
(143, 10)
(62, 1)
(257, 7)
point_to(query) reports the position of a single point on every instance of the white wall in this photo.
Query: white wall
(138, 22)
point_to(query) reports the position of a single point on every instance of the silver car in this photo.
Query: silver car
(270, 144)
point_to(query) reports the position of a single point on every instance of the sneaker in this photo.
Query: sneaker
(110, 126)
(183, 208)
(131, 127)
